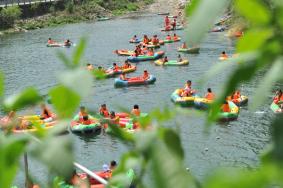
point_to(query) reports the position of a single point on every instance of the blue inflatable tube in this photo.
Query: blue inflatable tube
(125, 83)
(157, 55)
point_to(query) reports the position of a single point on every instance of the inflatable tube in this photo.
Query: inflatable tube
(103, 19)
(189, 50)
(161, 42)
(171, 41)
(172, 16)
(238, 34)
(202, 103)
(171, 29)
(172, 62)
(58, 45)
(275, 108)
(135, 41)
(223, 58)
(55, 45)
(34, 120)
(150, 44)
(218, 29)
(124, 52)
(153, 46)
(127, 124)
(183, 101)
(157, 55)
(110, 73)
(107, 175)
(243, 100)
(135, 81)
(77, 127)
(229, 116)
(163, 13)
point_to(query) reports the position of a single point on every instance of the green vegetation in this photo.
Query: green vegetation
(159, 150)
(8, 16)
(71, 13)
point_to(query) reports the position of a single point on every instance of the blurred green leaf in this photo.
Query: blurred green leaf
(98, 74)
(192, 7)
(203, 18)
(168, 170)
(162, 116)
(120, 178)
(253, 10)
(274, 74)
(65, 59)
(28, 97)
(144, 139)
(253, 40)
(77, 80)
(267, 176)
(121, 134)
(65, 101)
(56, 154)
(277, 137)
(173, 143)
(11, 149)
(77, 55)
(2, 84)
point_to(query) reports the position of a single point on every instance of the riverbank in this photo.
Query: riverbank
(173, 7)
(74, 13)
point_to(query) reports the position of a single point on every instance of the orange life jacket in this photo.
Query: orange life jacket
(150, 53)
(116, 68)
(184, 46)
(139, 51)
(50, 41)
(136, 125)
(104, 112)
(86, 122)
(125, 66)
(235, 97)
(136, 112)
(224, 55)
(277, 99)
(46, 113)
(167, 21)
(146, 40)
(210, 96)
(225, 108)
(145, 76)
(168, 38)
(176, 38)
(155, 41)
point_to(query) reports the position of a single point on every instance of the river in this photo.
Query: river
(26, 61)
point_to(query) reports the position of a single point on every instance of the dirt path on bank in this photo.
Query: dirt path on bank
(163, 6)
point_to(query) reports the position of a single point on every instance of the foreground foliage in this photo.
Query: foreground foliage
(159, 150)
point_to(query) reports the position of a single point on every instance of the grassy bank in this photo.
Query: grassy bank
(40, 15)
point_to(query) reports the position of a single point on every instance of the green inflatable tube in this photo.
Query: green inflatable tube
(83, 129)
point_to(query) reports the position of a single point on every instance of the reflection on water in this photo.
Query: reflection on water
(27, 62)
